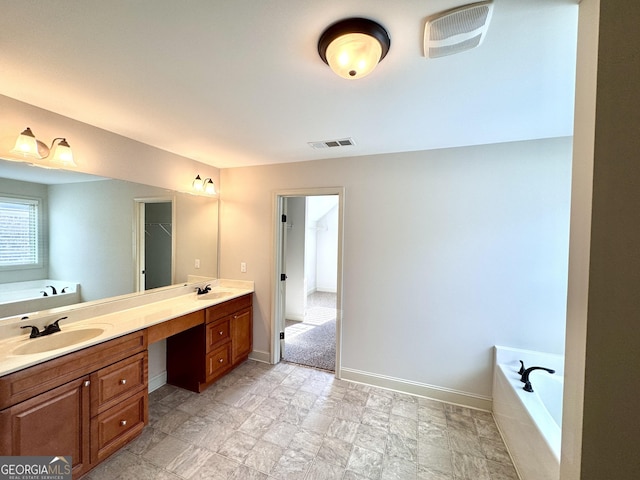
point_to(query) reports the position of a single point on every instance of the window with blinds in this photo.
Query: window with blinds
(19, 232)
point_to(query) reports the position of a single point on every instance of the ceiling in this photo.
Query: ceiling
(235, 83)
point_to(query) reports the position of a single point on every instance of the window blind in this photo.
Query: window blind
(18, 232)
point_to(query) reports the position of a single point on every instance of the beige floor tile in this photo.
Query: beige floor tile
(264, 422)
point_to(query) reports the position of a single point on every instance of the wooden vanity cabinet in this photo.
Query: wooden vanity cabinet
(86, 404)
(199, 356)
(52, 423)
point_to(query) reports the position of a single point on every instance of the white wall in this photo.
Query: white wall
(603, 349)
(446, 253)
(326, 235)
(100, 152)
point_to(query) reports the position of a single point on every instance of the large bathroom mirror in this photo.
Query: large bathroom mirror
(88, 229)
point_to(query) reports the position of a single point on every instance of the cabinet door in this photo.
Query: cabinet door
(53, 423)
(241, 335)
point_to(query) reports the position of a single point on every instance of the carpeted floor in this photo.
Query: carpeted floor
(313, 342)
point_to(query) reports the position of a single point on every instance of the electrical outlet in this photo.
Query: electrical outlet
(197, 263)
(243, 267)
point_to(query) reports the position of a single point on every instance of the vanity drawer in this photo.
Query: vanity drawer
(122, 379)
(227, 308)
(217, 333)
(218, 361)
(115, 427)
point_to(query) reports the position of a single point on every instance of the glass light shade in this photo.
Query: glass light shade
(209, 187)
(63, 154)
(26, 144)
(198, 184)
(354, 55)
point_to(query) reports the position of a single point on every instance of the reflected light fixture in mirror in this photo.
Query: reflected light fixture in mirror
(28, 146)
(204, 186)
(353, 47)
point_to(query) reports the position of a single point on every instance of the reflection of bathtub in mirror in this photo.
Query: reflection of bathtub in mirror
(20, 297)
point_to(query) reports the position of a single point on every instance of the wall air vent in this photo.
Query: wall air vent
(343, 142)
(457, 30)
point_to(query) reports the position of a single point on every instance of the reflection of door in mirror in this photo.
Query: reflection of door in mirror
(155, 244)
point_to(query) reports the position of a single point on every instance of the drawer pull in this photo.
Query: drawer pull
(123, 423)
(221, 332)
(87, 383)
(123, 381)
(220, 360)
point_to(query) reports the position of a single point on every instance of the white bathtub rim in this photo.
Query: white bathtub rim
(533, 406)
(508, 355)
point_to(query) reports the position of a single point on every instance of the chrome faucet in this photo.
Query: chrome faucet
(47, 330)
(525, 377)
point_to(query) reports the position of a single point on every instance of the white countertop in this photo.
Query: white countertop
(116, 323)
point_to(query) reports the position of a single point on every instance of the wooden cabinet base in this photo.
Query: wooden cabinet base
(87, 404)
(199, 356)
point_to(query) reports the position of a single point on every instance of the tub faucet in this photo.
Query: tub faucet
(525, 377)
(522, 369)
(53, 289)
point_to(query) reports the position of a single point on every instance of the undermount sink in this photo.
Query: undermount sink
(214, 295)
(57, 340)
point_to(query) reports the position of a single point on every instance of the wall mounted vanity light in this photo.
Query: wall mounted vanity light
(28, 146)
(204, 186)
(353, 47)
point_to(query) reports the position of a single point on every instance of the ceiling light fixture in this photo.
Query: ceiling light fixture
(204, 186)
(28, 146)
(353, 47)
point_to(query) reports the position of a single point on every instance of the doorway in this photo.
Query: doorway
(307, 322)
(155, 244)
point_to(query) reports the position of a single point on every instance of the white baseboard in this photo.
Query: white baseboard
(326, 289)
(415, 388)
(298, 317)
(259, 356)
(157, 381)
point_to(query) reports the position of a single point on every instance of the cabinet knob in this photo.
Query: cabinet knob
(220, 360)
(123, 381)
(221, 332)
(87, 383)
(123, 423)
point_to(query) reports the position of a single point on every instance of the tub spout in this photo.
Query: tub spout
(525, 377)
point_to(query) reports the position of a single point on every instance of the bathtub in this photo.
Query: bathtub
(24, 297)
(530, 423)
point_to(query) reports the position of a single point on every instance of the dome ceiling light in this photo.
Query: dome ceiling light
(353, 47)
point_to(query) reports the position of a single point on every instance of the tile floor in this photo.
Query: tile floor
(291, 422)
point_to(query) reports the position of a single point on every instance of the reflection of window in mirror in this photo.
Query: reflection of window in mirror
(19, 232)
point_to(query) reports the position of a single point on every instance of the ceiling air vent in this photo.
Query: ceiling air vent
(343, 142)
(457, 30)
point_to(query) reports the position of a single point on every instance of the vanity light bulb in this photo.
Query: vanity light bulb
(26, 144)
(63, 154)
(210, 188)
(198, 184)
